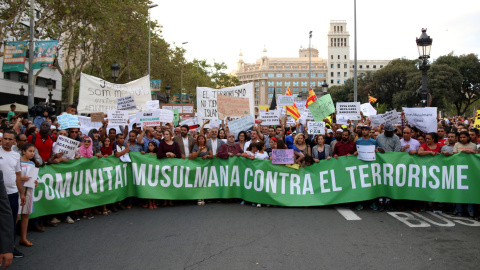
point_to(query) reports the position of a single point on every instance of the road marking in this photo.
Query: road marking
(348, 214)
(409, 220)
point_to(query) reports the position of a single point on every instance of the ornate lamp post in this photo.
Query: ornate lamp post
(115, 68)
(50, 88)
(167, 92)
(424, 44)
(324, 88)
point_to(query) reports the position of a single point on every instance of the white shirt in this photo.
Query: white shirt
(10, 165)
(214, 146)
(261, 156)
(185, 146)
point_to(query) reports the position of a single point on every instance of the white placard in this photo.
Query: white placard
(368, 109)
(342, 119)
(117, 117)
(376, 120)
(32, 172)
(167, 107)
(166, 115)
(284, 100)
(390, 117)
(366, 152)
(67, 120)
(149, 118)
(424, 119)
(153, 105)
(349, 109)
(242, 124)
(270, 118)
(187, 109)
(188, 122)
(98, 95)
(126, 103)
(301, 105)
(207, 100)
(214, 123)
(66, 145)
(315, 128)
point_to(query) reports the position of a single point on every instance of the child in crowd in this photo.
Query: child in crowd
(251, 150)
(152, 150)
(26, 163)
(261, 154)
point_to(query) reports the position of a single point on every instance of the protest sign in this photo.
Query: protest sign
(284, 100)
(66, 146)
(233, 106)
(97, 117)
(176, 116)
(315, 128)
(368, 109)
(283, 156)
(149, 118)
(152, 105)
(187, 109)
(241, 124)
(322, 107)
(14, 56)
(207, 100)
(126, 103)
(424, 119)
(301, 106)
(263, 108)
(376, 120)
(215, 123)
(342, 119)
(366, 152)
(390, 117)
(67, 120)
(166, 116)
(476, 124)
(269, 118)
(32, 172)
(98, 95)
(93, 182)
(167, 107)
(117, 117)
(178, 108)
(290, 121)
(349, 109)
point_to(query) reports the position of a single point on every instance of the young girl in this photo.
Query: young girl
(152, 150)
(261, 154)
(28, 152)
(251, 150)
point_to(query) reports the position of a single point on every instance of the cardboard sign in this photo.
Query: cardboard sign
(153, 105)
(126, 103)
(424, 119)
(97, 117)
(241, 124)
(233, 106)
(117, 117)
(315, 128)
(366, 152)
(283, 156)
(67, 120)
(284, 100)
(269, 118)
(322, 107)
(349, 109)
(67, 146)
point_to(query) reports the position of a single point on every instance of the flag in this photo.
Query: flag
(311, 98)
(372, 99)
(292, 110)
(273, 104)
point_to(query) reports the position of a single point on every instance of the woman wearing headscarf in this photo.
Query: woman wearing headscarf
(230, 148)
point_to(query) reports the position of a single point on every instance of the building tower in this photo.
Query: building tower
(240, 63)
(338, 53)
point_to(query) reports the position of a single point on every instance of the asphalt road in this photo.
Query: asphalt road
(230, 236)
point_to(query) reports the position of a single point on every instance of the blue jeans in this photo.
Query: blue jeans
(459, 208)
(14, 206)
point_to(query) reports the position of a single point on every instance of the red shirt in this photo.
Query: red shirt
(436, 150)
(44, 147)
(343, 148)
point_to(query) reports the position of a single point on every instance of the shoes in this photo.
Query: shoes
(76, 218)
(470, 214)
(259, 205)
(26, 243)
(17, 254)
(201, 202)
(114, 208)
(456, 213)
(90, 216)
(69, 220)
(242, 203)
(121, 206)
(382, 207)
(39, 228)
(374, 206)
(55, 220)
(388, 207)
(359, 207)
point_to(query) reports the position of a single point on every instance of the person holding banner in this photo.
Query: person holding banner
(200, 149)
(431, 147)
(409, 144)
(146, 136)
(214, 143)
(168, 149)
(345, 147)
(230, 148)
(107, 147)
(302, 146)
(321, 151)
(185, 142)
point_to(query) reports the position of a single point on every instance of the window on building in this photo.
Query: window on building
(6, 75)
(374, 66)
(22, 77)
(361, 66)
(272, 67)
(304, 75)
(304, 83)
(338, 74)
(271, 83)
(345, 74)
(295, 67)
(270, 89)
(313, 75)
(256, 89)
(381, 66)
(344, 81)
(312, 84)
(304, 67)
(331, 81)
(331, 74)
(279, 83)
(287, 67)
(279, 67)
(256, 96)
(344, 65)
(279, 75)
(257, 83)
(368, 66)
(287, 83)
(304, 90)
(288, 75)
(331, 56)
(256, 102)
(296, 75)
(338, 56)
(332, 65)
(338, 65)
(270, 96)
(271, 75)
(338, 81)
(295, 83)
(295, 90)
(280, 90)
(321, 75)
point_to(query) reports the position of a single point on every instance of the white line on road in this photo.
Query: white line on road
(348, 214)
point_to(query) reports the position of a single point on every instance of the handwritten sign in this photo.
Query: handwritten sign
(282, 156)
(368, 109)
(390, 117)
(215, 123)
(97, 117)
(284, 100)
(126, 103)
(153, 105)
(349, 109)
(366, 152)
(322, 108)
(66, 146)
(241, 124)
(166, 116)
(179, 108)
(233, 106)
(424, 119)
(270, 118)
(342, 120)
(117, 117)
(187, 109)
(316, 128)
(67, 120)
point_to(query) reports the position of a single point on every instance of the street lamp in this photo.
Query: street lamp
(50, 88)
(115, 70)
(424, 44)
(167, 92)
(181, 78)
(22, 91)
(324, 87)
(149, 31)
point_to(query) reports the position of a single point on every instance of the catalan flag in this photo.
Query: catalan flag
(311, 97)
(292, 110)
(372, 99)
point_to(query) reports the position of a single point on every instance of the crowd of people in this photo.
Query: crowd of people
(26, 144)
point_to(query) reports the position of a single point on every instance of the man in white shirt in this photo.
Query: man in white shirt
(10, 166)
(184, 141)
(213, 142)
(409, 144)
(253, 138)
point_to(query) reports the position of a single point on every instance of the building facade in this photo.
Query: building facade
(277, 74)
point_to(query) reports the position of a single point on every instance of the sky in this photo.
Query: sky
(219, 30)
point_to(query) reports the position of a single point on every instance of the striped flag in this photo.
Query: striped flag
(292, 110)
(311, 97)
(372, 99)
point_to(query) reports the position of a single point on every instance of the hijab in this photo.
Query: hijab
(86, 152)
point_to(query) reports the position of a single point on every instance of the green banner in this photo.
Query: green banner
(44, 54)
(14, 56)
(84, 183)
